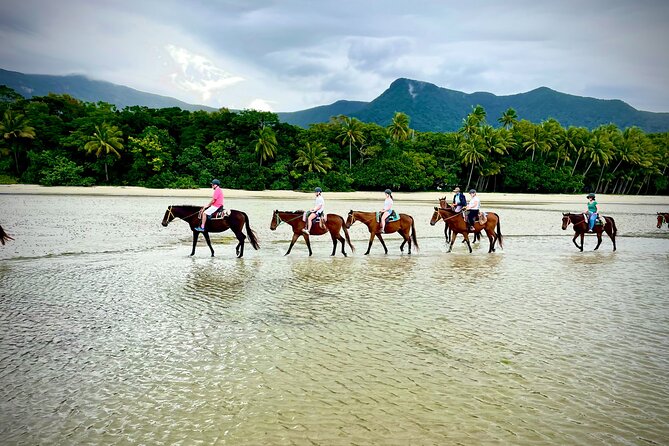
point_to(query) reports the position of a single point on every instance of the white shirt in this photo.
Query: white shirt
(319, 204)
(388, 204)
(475, 203)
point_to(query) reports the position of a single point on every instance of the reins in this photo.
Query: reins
(279, 220)
(170, 213)
(452, 216)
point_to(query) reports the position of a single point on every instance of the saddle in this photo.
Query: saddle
(483, 217)
(394, 216)
(219, 214)
(320, 218)
(600, 221)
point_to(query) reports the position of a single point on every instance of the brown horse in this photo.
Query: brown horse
(458, 225)
(404, 225)
(4, 237)
(235, 222)
(662, 218)
(448, 233)
(333, 224)
(581, 227)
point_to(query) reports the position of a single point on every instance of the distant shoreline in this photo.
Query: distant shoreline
(488, 197)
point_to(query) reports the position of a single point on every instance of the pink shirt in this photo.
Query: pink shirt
(218, 197)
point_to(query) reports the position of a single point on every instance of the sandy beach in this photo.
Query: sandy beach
(204, 193)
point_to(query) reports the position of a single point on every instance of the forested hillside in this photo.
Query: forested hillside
(59, 140)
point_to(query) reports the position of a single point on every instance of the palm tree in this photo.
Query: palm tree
(399, 128)
(535, 140)
(106, 140)
(509, 118)
(350, 133)
(14, 128)
(479, 114)
(315, 158)
(266, 144)
(472, 151)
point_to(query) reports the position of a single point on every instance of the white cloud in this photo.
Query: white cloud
(261, 105)
(198, 74)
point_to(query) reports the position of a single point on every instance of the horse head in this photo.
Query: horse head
(566, 219)
(276, 220)
(168, 217)
(660, 219)
(435, 216)
(350, 219)
(443, 203)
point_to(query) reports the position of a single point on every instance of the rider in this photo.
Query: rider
(592, 212)
(215, 203)
(459, 200)
(473, 208)
(317, 210)
(387, 208)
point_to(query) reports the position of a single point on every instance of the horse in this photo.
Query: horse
(235, 222)
(581, 227)
(4, 237)
(458, 225)
(333, 224)
(662, 217)
(448, 233)
(404, 225)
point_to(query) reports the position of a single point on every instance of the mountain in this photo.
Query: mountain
(432, 108)
(89, 90)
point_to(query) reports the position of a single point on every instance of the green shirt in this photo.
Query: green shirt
(592, 206)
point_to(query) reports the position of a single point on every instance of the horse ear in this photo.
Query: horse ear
(436, 208)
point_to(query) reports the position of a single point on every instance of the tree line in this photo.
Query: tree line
(59, 140)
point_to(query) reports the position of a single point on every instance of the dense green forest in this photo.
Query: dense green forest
(59, 140)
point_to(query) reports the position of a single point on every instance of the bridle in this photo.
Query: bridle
(452, 216)
(279, 220)
(171, 214)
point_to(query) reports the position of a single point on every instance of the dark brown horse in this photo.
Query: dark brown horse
(4, 237)
(662, 218)
(235, 222)
(581, 227)
(458, 225)
(403, 226)
(333, 225)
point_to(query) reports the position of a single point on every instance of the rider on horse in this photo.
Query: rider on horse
(459, 200)
(592, 212)
(473, 207)
(316, 211)
(387, 209)
(215, 203)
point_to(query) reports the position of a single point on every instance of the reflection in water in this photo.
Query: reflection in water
(130, 340)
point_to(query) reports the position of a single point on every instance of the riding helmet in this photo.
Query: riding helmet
(318, 189)
(472, 191)
(591, 195)
(216, 182)
(388, 191)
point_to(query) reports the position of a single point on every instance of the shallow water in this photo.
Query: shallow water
(111, 333)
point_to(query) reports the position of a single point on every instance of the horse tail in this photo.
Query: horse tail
(251, 234)
(4, 236)
(413, 234)
(348, 239)
(499, 232)
(613, 225)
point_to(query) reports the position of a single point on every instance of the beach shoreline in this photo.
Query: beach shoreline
(203, 193)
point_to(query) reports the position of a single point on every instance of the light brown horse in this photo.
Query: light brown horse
(4, 237)
(403, 226)
(235, 222)
(333, 225)
(458, 225)
(448, 233)
(662, 218)
(581, 227)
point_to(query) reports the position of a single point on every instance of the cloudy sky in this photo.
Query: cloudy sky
(286, 55)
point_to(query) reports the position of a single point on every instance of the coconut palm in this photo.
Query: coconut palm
(509, 118)
(399, 128)
(266, 144)
(472, 151)
(536, 140)
(314, 158)
(350, 133)
(14, 128)
(106, 140)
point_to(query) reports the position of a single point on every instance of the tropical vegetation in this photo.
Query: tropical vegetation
(59, 140)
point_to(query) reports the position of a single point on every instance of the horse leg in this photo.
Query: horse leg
(196, 234)
(491, 241)
(469, 245)
(306, 239)
(450, 247)
(576, 234)
(206, 237)
(446, 233)
(378, 235)
(240, 246)
(342, 240)
(371, 240)
(334, 244)
(599, 239)
(292, 242)
(612, 236)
